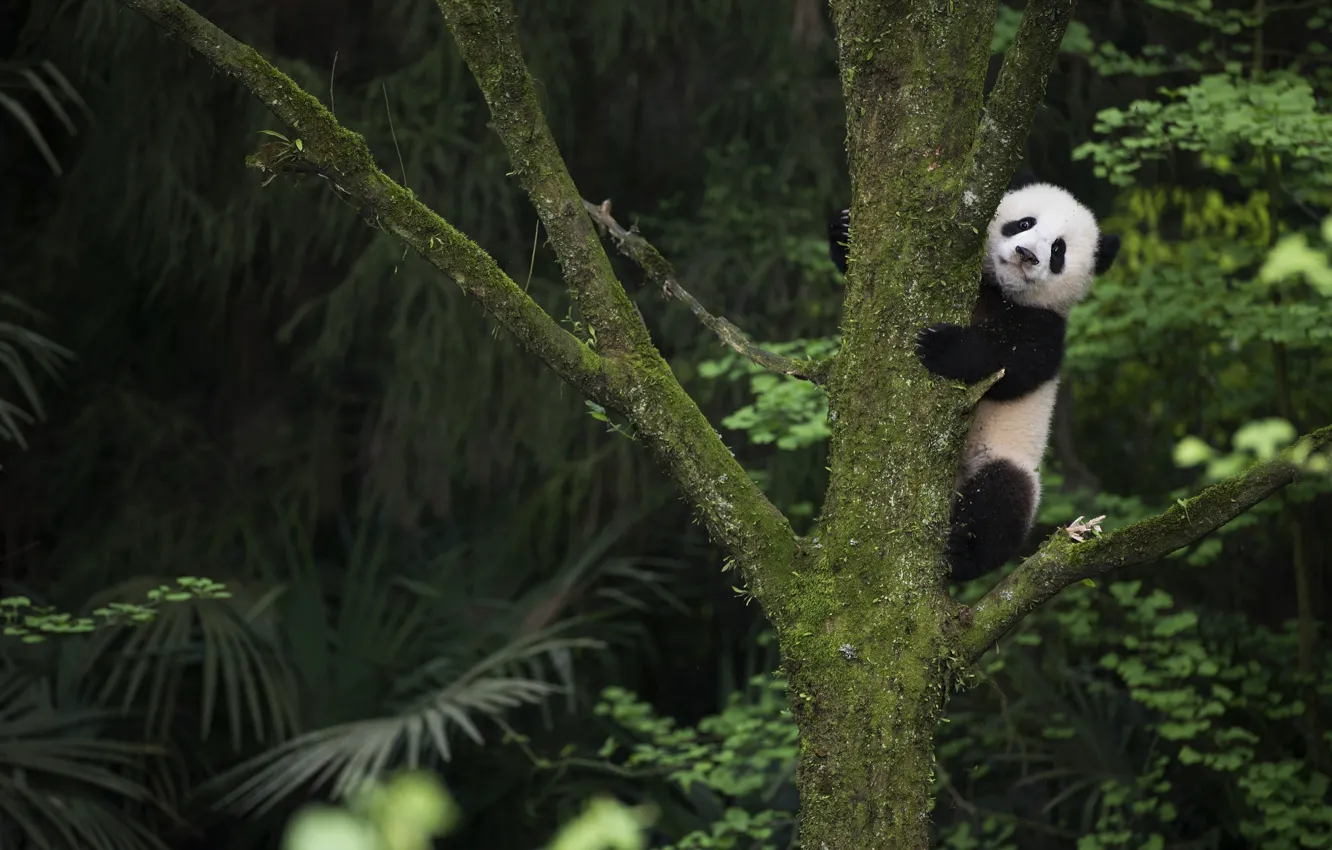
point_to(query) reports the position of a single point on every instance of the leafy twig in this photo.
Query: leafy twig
(32, 623)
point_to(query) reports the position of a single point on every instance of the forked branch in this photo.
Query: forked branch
(1012, 104)
(1061, 562)
(642, 387)
(625, 372)
(487, 35)
(659, 269)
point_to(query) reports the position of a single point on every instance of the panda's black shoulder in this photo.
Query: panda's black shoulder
(990, 300)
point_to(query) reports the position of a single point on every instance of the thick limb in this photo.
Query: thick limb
(1060, 562)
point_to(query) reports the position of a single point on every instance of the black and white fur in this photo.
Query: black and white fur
(1042, 251)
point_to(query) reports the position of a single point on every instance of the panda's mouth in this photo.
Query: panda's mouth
(1021, 271)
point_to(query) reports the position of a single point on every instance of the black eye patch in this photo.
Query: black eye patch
(1057, 251)
(1013, 228)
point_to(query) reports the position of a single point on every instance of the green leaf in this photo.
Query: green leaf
(1192, 451)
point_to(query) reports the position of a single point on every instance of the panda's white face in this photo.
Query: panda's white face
(1043, 248)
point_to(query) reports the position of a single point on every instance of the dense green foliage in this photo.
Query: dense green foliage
(434, 553)
(1113, 718)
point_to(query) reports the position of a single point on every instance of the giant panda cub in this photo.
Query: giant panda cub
(1043, 248)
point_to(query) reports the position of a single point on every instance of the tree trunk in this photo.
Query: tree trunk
(866, 749)
(865, 651)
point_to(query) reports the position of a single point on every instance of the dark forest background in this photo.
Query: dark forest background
(430, 545)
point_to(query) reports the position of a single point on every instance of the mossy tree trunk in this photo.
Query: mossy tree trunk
(869, 649)
(870, 637)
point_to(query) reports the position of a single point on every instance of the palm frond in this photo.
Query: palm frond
(15, 342)
(218, 639)
(49, 823)
(21, 115)
(49, 96)
(63, 783)
(348, 754)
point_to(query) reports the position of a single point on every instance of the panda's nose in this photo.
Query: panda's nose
(1028, 256)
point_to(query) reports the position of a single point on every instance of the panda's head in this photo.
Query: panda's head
(1044, 248)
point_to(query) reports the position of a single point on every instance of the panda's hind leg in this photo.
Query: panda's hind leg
(991, 514)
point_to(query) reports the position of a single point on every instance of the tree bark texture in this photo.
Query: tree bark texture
(870, 637)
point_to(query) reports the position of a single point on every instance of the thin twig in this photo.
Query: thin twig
(977, 391)
(980, 813)
(638, 249)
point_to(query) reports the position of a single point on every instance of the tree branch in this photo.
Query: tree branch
(636, 382)
(487, 35)
(642, 252)
(1012, 104)
(643, 388)
(1061, 562)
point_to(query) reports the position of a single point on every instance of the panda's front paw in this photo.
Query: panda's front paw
(937, 348)
(839, 234)
(839, 226)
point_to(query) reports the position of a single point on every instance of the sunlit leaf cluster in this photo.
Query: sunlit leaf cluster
(1234, 123)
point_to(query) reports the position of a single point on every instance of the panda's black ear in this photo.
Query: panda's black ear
(1022, 179)
(1107, 248)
